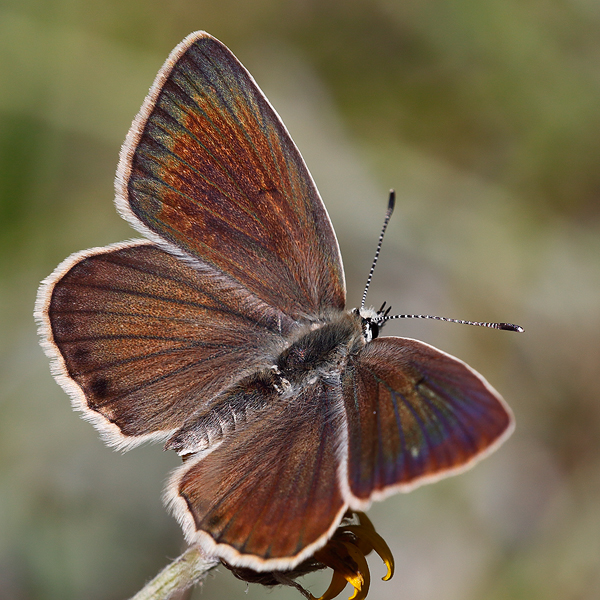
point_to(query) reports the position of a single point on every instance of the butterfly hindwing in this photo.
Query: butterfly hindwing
(209, 170)
(415, 414)
(268, 495)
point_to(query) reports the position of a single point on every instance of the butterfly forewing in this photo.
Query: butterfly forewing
(415, 414)
(210, 169)
(149, 340)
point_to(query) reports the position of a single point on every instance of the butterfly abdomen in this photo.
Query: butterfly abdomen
(229, 411)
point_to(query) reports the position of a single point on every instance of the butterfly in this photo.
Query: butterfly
(225, 333)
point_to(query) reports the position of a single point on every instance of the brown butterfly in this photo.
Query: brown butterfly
(225, 333)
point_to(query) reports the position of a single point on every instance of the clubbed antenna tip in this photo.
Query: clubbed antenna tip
(392, 201)
(511, 327)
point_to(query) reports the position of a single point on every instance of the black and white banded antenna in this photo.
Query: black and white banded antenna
(388, 216)
(504, 326)
(383, 314)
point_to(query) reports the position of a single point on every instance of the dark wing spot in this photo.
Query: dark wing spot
(100, 387)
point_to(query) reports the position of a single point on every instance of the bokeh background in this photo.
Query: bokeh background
(485, 116)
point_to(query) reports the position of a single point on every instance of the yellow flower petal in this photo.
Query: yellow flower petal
(375, 542)
(336, 587)
(361, 580)
(365, 521)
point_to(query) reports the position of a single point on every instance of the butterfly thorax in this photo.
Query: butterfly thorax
(323, 350)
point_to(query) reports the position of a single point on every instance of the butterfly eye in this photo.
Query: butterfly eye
(374, 330)
(370, 327)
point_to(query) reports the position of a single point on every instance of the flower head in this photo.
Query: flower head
(345, 553)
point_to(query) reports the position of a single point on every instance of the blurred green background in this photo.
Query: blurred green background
(485, 117)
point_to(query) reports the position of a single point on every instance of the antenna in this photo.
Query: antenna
(504, 326)
(388, 214)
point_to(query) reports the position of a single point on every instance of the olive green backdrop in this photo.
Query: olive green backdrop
(485, 117)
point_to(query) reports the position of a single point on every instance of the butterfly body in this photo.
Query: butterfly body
(225, 334)
(319, 350)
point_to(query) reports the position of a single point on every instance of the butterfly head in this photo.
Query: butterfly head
(372, 320)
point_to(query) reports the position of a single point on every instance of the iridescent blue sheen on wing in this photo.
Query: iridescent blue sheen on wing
(215, 173)
(415, 413)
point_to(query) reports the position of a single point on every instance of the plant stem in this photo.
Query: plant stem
(184, 572)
